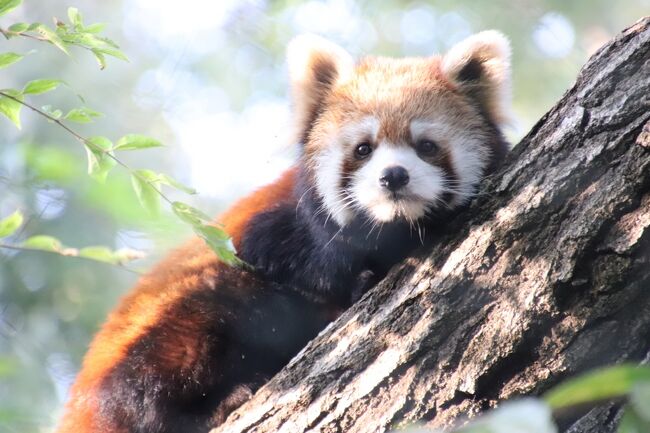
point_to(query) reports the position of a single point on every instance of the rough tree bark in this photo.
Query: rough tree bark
(547, 275)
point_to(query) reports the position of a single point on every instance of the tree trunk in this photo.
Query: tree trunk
(545, 276)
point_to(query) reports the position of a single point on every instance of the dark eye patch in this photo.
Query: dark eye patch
(355, 157)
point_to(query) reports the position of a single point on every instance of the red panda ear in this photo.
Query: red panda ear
(315, 66)
(480, 67)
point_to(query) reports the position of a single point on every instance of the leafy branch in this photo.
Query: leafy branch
(65, 35)
(48, 244)
(101, 151)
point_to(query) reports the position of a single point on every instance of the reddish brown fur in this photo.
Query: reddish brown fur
(171, 280)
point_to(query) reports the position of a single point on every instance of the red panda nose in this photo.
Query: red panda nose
(394, 178)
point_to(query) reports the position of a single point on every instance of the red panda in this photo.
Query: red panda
(388, 146)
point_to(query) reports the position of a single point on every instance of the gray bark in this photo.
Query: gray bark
(547, 275)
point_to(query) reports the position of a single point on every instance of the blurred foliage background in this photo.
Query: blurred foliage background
(208, 79)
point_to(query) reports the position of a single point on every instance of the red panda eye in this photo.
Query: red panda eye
(362, 150)
(426, 147)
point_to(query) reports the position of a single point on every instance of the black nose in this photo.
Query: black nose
(394, 178)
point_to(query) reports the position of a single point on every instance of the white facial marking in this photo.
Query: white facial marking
(425, 186)
(468, 154)
(329, 166)
(427, 182)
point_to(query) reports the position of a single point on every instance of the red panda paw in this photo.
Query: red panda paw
(239, 395)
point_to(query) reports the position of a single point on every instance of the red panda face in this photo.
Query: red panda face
(395, 139)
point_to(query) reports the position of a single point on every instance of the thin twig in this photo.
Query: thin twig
(61, 253)
(8, 33)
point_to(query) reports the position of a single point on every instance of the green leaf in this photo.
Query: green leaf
(7, 59)
(10, 107)
(148, 175)
(75, 17)
(99, 159)
(50, 36)
(95, 28)
(219, 241)
(170, 181)
(189, 214)
(213, 233)
(43, 242)
(8, 5)
(136, 141)
(99, 253)
(114, 53)
(82, 115)
(18, 27)
(37, 87)
(143, 185)
(597, 385)
(10, 224)
(101, 59)
(55, 113)
(99, 143)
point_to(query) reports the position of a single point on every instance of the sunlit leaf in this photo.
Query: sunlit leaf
(148, 175)
(18, 27)
(82, 115)
(136, 141)
(170, 181)
(99, 253)
(7, 59)
(100, 143)
(597, 385)
(37, 87)
(143, 185)
(94, 28)
(101, 59)
(189, 214)
(11, 107)
(8, 5)
(55, 113)
(219, 241)
(51, 36)
(43, 242)
(75, 17)
(114, 53)
(10, 224)
(108, 42)
(99, 158)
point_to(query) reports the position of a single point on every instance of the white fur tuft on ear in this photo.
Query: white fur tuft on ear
(315, 65)
(480, 65)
